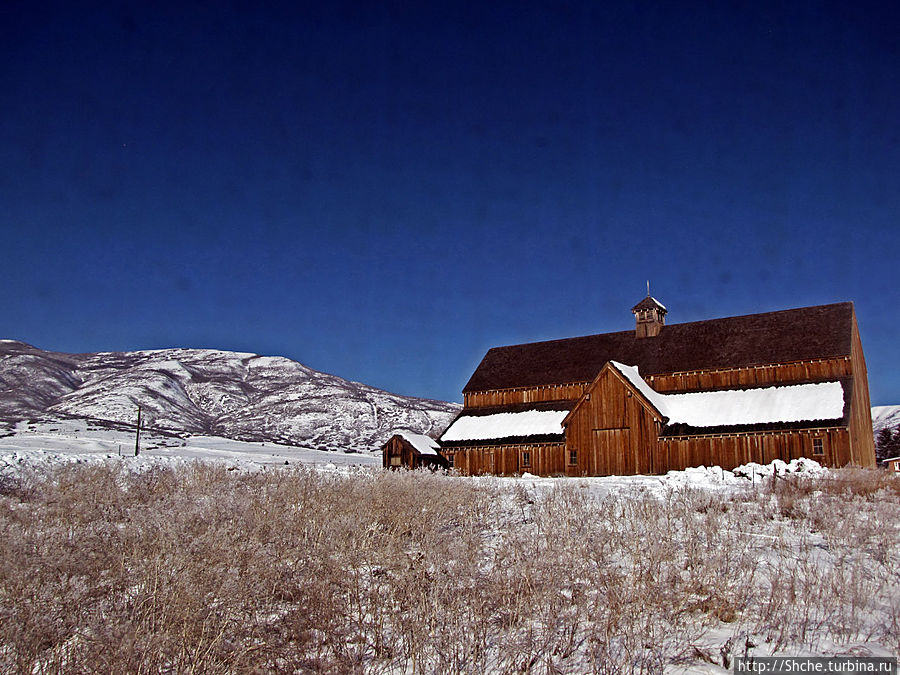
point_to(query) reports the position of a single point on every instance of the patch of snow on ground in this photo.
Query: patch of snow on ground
(804, 465)
(710, 478)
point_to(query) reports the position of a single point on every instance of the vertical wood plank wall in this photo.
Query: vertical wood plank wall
(862, 437)
(730, 451)
(552, 392)
(753, 376)
(545, 459)
(397, 447)
(616, 452)
(725, 378)
(613, 431)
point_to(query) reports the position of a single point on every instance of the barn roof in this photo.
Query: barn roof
(823, 331)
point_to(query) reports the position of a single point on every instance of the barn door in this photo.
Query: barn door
(612, 449)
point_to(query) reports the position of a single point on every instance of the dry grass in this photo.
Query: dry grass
(209, 571)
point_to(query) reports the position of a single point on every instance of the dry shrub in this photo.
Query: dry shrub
(200, 569)
(866, 483)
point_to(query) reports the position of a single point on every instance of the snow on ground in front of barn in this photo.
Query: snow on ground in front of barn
(712, 478)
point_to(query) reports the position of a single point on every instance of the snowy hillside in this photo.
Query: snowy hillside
(885, 416)
(208, 392)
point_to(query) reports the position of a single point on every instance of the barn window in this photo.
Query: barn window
(573, 457)
(395, 460)
(818, 446)
(450, 460)
(526, 459)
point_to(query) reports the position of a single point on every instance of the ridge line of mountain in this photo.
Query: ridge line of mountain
(237, 395)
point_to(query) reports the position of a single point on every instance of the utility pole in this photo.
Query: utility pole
(137, 434)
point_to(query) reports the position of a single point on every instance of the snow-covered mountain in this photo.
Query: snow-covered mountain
(202, 391)
(885, 416)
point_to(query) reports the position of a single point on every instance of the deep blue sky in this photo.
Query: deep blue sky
(385, 191)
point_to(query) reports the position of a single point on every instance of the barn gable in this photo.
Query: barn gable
(622, 426)
(613, 427)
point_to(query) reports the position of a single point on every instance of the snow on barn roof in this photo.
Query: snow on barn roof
(739, 407)
(425, 445)
(523, 424)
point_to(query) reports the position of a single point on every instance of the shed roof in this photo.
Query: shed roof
(424, 445)
(822, 331)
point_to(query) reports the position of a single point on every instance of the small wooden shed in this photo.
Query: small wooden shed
(893, 464)
(410, 451)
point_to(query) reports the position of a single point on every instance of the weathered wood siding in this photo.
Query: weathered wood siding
(697, 380)
(635, 450)
(862, 437)
(397, 453)
(754, 376)
(544, 459)
(731, 450)
(551, 392)
(612, 430)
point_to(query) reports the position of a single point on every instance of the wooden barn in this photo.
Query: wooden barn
(406, 450)
(778, 385)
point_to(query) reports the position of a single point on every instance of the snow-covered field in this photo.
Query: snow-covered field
(346, 568)
(45, 444)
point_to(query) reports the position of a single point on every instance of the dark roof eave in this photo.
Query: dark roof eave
(687, 430)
